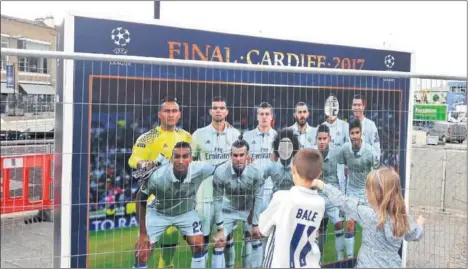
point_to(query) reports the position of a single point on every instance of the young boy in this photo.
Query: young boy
(293, 217)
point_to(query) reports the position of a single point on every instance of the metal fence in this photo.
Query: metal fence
(439, 192)
(119, 99)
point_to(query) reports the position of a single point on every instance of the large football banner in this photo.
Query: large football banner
(116, 102)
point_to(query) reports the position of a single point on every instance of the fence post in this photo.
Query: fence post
(444, 174)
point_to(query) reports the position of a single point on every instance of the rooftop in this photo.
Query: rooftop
(38, 22)
(456, 83)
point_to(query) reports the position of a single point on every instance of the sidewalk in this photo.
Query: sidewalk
(26, 245)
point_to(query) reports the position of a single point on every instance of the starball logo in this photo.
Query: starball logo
(121, 38)
(389, 61)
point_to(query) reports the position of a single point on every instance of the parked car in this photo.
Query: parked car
(449, 131)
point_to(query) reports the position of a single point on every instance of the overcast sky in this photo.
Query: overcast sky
(436, 31)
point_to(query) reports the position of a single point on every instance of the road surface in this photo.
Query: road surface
(26, 245)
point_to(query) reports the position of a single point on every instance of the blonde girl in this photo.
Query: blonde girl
(384, 219)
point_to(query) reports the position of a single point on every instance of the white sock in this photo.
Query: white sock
(339, 243)
(217, 260)
(246, 253)
(230, 253)
(257, 253)
(140, 265)
(198, 262)
(349, 242)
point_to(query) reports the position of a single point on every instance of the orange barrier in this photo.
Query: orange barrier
(19, 174)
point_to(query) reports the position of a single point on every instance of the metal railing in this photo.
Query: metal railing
(77, 56)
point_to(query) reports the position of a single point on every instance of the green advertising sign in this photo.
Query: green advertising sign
(430, 112)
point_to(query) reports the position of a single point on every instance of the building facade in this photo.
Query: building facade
(457, 86)
(36, 76)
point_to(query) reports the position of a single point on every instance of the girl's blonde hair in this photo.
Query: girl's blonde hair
(384, 191)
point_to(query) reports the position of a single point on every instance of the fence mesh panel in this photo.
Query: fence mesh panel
(129, 113)
(438, 178)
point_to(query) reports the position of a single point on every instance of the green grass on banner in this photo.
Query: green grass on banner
(115, 249)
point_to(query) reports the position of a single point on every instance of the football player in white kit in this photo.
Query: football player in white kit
(212, 144)
(261, 143)
(293, 216)
(261, 146)
(174, 185)
(339, 132)
(369, 129)
(358, 156)
(241, 187)
(330, 157)
(338, 136)
(305, 132)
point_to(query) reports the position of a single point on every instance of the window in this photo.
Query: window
(34, 64)
(4, 61)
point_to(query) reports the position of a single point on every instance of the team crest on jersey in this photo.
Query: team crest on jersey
(165, 146)
(338, 133)
(228, 143)
(253, 142)
(207, 142)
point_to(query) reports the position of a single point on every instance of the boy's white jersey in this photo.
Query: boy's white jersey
(291, 223)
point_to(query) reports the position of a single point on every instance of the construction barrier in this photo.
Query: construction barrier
(26, 183)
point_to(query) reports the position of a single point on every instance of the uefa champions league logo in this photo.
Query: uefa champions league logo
(121, 37)
(389, 61)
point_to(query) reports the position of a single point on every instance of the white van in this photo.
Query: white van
(449, 131)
